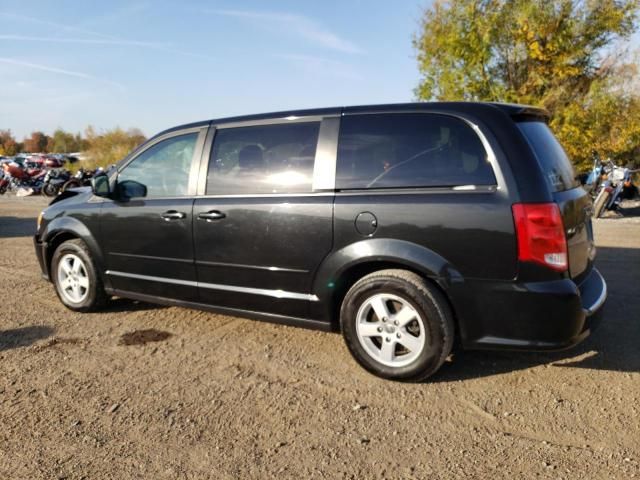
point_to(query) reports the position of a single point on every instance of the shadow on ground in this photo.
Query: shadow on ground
(628, 209)
(23, 336)
(124, 305)
(11, 227)
(613, 346)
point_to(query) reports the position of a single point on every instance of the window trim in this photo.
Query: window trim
(271, 121)
(195, 159)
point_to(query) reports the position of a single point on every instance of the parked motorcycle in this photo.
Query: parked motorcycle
(615, 186)
(592, 181)
(17, 176)
(82, 178)
(54, 180)
(4, 182)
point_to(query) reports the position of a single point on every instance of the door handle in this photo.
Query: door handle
(212, 215)
(173, 215)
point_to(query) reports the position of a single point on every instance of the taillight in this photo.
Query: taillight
(540, 234)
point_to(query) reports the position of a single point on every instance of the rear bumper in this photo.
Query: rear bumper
(41, 249)
(550, 315)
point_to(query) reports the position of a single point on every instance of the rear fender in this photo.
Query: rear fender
(383, 251)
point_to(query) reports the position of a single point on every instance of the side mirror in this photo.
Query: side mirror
(128, 189)
(100, 186)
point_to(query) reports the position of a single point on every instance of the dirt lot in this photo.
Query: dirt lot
(209, 396)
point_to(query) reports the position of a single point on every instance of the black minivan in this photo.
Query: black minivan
(406, 227)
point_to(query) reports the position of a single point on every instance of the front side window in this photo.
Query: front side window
(163, 168)
(409, 151)
(263, 159)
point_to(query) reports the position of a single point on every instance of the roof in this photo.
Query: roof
(511, 109)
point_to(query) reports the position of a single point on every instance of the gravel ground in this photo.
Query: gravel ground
(140, 391)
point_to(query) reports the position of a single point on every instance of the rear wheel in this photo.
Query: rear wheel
(600, 203)
(73, 183)
(397, 325)
(76, 278)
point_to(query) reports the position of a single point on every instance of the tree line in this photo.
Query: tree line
(571, 57)
(101, 148)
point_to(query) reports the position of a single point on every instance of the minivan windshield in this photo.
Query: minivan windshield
(551, 156)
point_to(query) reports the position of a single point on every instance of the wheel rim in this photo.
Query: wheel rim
(73, 279)
(390, 330)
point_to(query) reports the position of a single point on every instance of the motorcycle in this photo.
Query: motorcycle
(54, 181)
(616, 186)
(592, 181)
(21, 177)
(80, 179)
(5, 182)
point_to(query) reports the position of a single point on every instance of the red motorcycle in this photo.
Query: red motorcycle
(16, 176)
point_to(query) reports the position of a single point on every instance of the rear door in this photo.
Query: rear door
(264, 223)
(147, 235)
(574, 202)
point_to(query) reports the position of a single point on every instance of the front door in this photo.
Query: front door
(146, 228)
(261, 231)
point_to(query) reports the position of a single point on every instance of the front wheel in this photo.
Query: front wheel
(397, 325)
(600, 203)
(49, 190)
(76, 279)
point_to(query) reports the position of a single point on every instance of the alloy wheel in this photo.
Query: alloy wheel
(390, 330)
(73, 279)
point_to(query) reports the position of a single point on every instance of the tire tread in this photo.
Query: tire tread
(101, 297)
(436, 298)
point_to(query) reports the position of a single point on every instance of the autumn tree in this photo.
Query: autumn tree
(65, 142)
(111, 146)
(36, 143)
(563, 55)
(8, 144)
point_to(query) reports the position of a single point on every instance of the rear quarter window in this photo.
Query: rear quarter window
(552, 158)
(409, 151)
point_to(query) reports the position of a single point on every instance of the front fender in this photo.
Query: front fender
(70, 226)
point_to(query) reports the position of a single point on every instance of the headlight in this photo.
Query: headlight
(39, 220)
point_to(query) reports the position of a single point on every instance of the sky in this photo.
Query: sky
(154, 65)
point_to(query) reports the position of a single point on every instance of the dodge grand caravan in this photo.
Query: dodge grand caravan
(405, 227)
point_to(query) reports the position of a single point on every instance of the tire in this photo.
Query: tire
(600, 202)
(49, 190)
(84, 291)
(370, 339)
(73, 183)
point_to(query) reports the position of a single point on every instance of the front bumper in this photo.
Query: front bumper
(41, 255)
(551, 315)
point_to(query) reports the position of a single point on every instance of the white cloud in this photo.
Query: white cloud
(99, 38)
(300, 25)
(90, 41)
(56, 70)
(57, 26)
